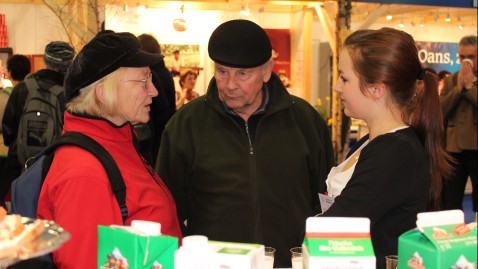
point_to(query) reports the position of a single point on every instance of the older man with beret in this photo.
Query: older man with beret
(246, 161)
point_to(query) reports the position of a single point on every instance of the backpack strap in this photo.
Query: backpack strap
(85, 142)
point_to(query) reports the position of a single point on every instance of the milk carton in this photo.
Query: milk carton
(338, 242)
(237, 255)
(199, 253)
(195, 253)
(441, 240)
(139, 246)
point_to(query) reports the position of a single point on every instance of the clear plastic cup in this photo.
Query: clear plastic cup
(269, 257)
(296, 257)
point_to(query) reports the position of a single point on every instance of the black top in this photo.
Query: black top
(163, 106)
(390, 185)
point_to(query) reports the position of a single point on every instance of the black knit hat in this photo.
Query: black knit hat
(104, 54)
(240, 43)
(58, 55)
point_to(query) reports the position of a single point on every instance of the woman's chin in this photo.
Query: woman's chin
(142, 119)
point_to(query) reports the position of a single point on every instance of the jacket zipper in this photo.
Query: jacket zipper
(251, 148)
(254, 186)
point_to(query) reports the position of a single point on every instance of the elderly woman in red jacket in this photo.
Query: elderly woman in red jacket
(109, 88)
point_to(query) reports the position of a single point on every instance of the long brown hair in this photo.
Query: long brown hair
(390, 56)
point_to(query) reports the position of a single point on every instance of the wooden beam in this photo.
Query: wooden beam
(307, 55)
(326, 25)
(373, 17)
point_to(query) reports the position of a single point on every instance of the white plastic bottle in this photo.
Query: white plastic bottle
(195, 253)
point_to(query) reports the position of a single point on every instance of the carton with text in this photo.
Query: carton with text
(441, 240)
(338, 242)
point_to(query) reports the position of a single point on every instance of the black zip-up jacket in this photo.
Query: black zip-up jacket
(233, 188)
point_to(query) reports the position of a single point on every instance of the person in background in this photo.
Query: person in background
(163, 106)
(57, 57)
(441, 80)
(4, 82)
(396, 170)
(283, 77)
(187, 82)
(108, 87)
(459, 100)
(420, 84)
(177, 63)
(18, 66)
(246, 161)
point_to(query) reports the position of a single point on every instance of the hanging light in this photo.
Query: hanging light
(179, 23)
(245, 9)
(422, 24)
(447, 18)
(461, 26)
(125, 6)
(141, 8)
(389, 16)
(401, 25)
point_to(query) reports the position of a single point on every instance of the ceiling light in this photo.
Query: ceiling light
(389, 17)
(448, 19)
(180, 23)
(401, 25)
(141, 8)
(461, 26)
(245, 11)
(422, 24)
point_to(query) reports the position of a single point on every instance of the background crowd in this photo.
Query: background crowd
(246, 161)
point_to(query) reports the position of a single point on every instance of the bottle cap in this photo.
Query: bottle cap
(147, 227)
(195, 241)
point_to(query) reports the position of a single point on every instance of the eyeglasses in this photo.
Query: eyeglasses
(145, 80)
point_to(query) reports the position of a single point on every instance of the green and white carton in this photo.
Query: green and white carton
(338, 242)
(441, 240)
(232, 255)
(135, 247)
(197, 252)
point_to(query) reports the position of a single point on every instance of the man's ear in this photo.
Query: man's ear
(267, 70)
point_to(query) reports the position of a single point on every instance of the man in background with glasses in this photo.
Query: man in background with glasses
(459, 100)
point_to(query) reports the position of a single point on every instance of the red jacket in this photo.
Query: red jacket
(77, 194)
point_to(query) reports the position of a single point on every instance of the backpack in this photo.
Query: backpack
(26, 188)
(42, 118)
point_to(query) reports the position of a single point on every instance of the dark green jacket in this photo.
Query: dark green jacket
(230, 192)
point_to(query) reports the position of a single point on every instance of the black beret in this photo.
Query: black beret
(105, 53)
(240, 44)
